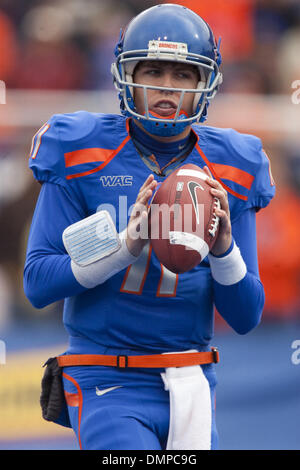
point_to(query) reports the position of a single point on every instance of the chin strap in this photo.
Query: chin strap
(165, 129)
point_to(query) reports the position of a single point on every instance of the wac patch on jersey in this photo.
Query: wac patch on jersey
(121, 180)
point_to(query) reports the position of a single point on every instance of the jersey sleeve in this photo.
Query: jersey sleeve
(263, 187)
(47, 263)
(241, 304)
(58, 136)
(254, 177)
(46, 158)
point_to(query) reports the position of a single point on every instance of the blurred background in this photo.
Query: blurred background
(55, 57)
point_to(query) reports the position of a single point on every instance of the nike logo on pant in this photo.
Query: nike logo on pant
(106, 390)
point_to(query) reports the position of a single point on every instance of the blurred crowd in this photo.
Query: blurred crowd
(69, 45)
(49, 44)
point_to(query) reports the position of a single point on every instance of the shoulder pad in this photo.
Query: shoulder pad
(75, 126)
(47, 150)
(251, 158)
(241, 164)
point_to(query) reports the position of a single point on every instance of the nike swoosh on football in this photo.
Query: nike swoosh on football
(106, 390)
(192, 186)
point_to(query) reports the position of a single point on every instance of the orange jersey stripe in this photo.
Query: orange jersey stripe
(109, 157)
(80, 402)
(35, 146)
(72, 399)
(272, 182)
(213, 172)
(77, 157)
(233, 174)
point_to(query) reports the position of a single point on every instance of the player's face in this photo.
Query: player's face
(168, 75)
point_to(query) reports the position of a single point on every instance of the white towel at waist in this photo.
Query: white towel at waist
(190, 408)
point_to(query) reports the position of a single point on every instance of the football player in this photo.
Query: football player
(139, 365)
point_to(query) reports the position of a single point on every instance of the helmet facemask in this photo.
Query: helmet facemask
(209, 79)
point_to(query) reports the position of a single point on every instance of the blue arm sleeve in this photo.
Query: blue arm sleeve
(241, 304)
(47, 273)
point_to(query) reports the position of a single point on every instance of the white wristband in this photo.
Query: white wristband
(229, 269)
(96, 273)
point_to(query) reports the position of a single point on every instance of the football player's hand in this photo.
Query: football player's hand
(137, 229)
(224, 239)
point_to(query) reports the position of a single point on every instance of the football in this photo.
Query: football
(183, 226)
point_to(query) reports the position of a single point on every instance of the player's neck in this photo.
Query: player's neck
(157, 147)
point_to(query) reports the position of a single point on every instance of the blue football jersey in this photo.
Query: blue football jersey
(88, 162)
